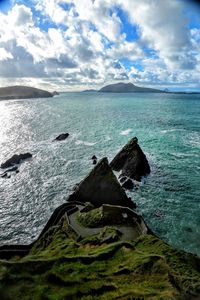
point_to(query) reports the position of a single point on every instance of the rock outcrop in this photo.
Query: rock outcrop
(15, 160)
(22, 92)
(131, 161)
(61, 137)
(101, 187)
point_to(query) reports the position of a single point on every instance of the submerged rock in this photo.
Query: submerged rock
(61, 137)
(101, 187)
(15, 159)
(131, 161)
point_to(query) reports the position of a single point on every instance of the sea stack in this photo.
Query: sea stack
(101, 187)
(131, 161)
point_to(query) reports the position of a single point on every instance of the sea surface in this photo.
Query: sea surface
(168, 130)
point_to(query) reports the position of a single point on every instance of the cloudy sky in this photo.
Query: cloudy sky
(79, 44)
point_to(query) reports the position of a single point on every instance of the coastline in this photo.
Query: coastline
(144, 258)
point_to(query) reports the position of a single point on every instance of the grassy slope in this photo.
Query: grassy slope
(58, 267)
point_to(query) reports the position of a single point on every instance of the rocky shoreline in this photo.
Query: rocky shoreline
(97, 246)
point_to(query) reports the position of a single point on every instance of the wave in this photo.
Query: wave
(80, 142)
(126, 132)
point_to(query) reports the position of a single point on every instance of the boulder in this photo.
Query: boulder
(131, 161)
(101, 187)
(61, 137)
(15, 159)
(94, 157)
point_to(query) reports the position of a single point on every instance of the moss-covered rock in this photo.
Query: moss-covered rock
(59, 267)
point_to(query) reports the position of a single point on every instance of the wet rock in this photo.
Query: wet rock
(131, 161)
(101, 187)
(94, 157)
(4, 175)
(15, 159)
(94, 161)
(128, 184)
(61, 137)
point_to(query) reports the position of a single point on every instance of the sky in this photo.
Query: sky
(75, 45)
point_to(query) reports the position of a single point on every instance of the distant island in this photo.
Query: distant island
(23, 92)
(127, 88)
(90, 91)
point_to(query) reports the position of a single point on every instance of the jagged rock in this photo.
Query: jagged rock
(61, 137)
(101, 187)
(131, 160)
(94, 161)
(94, 157)
(128, 184)
(15, 159)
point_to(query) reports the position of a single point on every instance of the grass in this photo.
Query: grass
(58, 267)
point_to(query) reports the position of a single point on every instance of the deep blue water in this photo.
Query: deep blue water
(168, 129)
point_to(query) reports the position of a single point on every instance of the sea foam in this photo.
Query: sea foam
(126, 132)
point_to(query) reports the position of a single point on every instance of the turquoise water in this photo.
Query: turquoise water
(168, 129)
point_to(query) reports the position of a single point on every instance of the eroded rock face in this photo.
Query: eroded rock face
(101, 187)
(15, 159)
(131, 161)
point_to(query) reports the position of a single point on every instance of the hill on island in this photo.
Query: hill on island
(23, 92)
(127, 88)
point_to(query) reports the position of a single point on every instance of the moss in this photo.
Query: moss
(58, 268)
(92, 218)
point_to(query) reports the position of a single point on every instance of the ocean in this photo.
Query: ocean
(168, 130)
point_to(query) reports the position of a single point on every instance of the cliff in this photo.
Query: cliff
(92, 250)
(22, 92)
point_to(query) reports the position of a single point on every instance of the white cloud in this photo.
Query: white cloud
(84, 43)
(4, 55)
(163, 26)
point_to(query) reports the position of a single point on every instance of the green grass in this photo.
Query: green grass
(58, 268)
